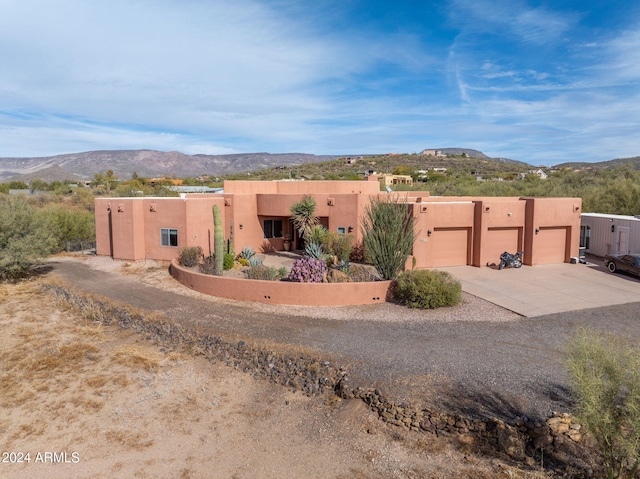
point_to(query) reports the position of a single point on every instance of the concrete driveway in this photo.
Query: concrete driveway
(548, 289)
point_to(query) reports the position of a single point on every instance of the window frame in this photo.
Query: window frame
(169, 234)
(275, 233)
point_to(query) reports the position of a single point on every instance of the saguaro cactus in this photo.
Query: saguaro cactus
(218, 241)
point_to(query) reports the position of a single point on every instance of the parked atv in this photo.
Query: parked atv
(510, 260)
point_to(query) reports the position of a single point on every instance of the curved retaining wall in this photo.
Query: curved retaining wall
(284, 292)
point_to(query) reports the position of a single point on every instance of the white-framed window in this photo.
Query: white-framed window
(168, 236)
(272, 228)
(342, 230)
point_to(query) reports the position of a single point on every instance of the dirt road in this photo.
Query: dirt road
(478, 365)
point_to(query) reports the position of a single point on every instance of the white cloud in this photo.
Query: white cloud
(515, 17)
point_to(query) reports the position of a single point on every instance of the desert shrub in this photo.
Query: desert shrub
(338, 245)
(208, 265)
(243, 261)
(308, 270)
(190, 255)
(318, 234)
(227, 261)
(605, 378)
(357, 253)
(67, 224)
(427, 289)
(24, 239)
(266, 273)
(388, 232)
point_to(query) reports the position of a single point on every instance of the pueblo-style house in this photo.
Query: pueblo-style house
(452, 231)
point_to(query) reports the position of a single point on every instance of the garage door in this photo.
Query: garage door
(451, 247)
(499, 240)
(550, 245)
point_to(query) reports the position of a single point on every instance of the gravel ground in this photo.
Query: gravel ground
(475, 358)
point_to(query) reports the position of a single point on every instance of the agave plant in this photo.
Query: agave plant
(315, 251)
(255, 261)
(247, 253)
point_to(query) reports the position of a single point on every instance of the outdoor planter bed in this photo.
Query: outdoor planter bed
(283, 292)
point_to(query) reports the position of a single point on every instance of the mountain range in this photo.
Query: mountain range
(146, 163)
(154, 164)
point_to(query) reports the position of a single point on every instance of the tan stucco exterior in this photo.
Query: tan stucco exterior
(450, 230)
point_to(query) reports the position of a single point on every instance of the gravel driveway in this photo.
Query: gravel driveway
(476, 358)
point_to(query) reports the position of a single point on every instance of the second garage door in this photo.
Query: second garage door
(451, 247)
(551, 245)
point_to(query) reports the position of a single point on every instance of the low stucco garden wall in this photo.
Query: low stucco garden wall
(284, 292)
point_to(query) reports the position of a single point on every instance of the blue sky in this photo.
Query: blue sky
(541, 82)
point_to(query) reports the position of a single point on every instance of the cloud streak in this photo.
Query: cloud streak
(332, 77)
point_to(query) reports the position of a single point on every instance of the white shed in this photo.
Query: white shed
(602, 234)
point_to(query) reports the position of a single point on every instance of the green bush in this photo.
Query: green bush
(189, 256)
(266, 273)
(427, 289)
(67, 224)
(228, 260)
(338, 245)
(605, 378)
(24, 238)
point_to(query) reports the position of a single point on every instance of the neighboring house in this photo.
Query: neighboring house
(390, 181)
(539, 173)
(432, 153)
(451, 231)
(602, 234)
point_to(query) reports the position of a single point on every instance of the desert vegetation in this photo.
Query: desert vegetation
(605, 375)
(388, 231)
(427, 289)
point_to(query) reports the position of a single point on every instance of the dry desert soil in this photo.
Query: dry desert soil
(84, 400)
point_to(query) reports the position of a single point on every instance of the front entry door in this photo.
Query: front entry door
(623, 240)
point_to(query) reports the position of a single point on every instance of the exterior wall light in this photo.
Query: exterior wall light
(537, 230)
(350, 229)
(429, 232)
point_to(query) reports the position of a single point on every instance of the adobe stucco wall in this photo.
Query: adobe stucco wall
(451, 230)
(554, 230)
(284, 292)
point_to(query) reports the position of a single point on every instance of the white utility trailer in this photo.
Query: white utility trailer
(602, 234)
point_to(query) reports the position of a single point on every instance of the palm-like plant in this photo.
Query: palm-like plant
(303, 214)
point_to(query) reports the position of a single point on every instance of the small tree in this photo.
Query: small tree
(304, 216)
(605, 376)
(388, 235)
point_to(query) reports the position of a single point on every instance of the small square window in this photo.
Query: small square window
(342, 230)
(168, 237)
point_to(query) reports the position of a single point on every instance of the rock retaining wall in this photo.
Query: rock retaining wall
(559, 437)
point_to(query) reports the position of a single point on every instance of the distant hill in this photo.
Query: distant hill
(153, 164)
(462, 151)
(146, 163)
(633, 162)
